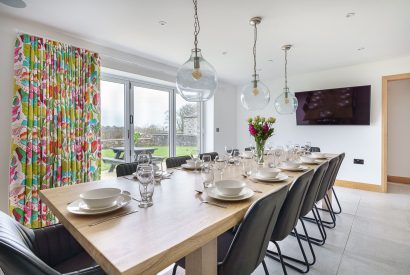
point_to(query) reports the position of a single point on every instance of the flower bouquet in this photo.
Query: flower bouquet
(261, 129)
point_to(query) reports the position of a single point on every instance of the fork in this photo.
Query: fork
(208, 202)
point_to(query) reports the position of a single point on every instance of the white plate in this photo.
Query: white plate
(299, 169)
(75, 206)
(242, 193)
(213, 193)
(189, 167)
(313, 161)
(280, 177)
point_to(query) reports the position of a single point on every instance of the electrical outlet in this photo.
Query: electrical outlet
(217, 130)
(358, 161)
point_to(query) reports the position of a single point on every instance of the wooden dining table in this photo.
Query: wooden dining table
(177, 225)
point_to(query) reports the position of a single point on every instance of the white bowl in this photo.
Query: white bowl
(290, 164)
(102, 197)
(269, 172)
(247, 154)
(307, 159)
(318, 155)
(229, 187)
(193, 163)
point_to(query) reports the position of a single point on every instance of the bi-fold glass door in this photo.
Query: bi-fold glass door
(138, 117)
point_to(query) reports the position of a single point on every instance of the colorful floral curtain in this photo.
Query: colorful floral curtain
(55, 123)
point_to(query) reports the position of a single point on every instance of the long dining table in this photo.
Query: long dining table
(177, 225)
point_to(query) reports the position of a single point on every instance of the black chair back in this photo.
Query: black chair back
(176, 161)
(251, 240)
(314, 186)
(212, 154)
(314, 149)
(125, 169)
(249, 148)
(336, 171)
(289, 214)
(327, 179)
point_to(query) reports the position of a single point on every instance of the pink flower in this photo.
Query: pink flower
(252, 130)
(265, 128)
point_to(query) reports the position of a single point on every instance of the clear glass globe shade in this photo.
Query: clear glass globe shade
(286, 103)
(196, 79)
(255, 98)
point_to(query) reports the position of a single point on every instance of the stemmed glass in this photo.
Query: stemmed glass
(145, 175)
(308, 145)
(143, 158)
(206, 159)
(220, 164)
(278, 153)
(228, 150)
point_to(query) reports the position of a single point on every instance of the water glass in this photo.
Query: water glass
(278, 154)
(158, 169)
(247, 168)
(145, 175)
(207, 175)
(308, 145)
(206, 159)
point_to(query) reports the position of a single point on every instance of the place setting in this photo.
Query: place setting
(292, 166)
(99, 201)
(229, 190)
(268, 175)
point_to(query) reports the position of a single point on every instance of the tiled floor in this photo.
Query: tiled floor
(372, 236)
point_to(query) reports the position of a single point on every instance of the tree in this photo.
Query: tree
(187, 110)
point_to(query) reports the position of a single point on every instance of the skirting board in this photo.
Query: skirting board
(398, 179)
(359, 185)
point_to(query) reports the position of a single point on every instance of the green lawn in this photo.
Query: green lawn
(162, 151)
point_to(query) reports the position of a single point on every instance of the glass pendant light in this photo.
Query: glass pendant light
(286, 103)
(196, 78)
(255, 95)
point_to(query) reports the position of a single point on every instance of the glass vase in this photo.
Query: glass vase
(260, 151)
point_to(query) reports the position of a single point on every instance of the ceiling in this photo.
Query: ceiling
(322, 35)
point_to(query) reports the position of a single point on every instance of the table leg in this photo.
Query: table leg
(202, 261)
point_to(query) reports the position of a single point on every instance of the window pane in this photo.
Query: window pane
(151, 122)
(188, 126)
(112, 126)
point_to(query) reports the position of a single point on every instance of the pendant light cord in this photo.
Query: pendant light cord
(197, 27)
(286, 69)
(254, 51)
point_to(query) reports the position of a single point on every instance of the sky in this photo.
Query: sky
(150, 106)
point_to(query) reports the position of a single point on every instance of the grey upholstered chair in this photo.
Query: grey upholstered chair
(314, 149)
(176, 161)
(46, 251)
(341, 158)
(125, 169)
(212, 154)
(288, 218)
(240, 253)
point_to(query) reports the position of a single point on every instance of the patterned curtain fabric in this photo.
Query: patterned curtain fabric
(55, 123)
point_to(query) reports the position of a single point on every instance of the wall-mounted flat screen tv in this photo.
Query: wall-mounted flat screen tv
(340, 106)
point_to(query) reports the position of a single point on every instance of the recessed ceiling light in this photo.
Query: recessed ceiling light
(224, 53)
(361, 48)
(162, 22)
(14, 3)
(350, 14)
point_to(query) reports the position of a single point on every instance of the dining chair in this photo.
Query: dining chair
(176, 161)
(240, 253)
(249, 148)
(309, 206)
(212, 154)
(314, 149)
(323, 196)
(341, 158)
(288, 218)
(126, 169)
(46, 251)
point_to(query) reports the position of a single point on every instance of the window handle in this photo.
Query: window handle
(131, 119)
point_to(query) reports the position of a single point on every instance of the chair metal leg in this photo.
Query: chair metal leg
(305, 262)
(337, 201)
(265, 267)
(309, 243)
(321, 228)
(271, 254)
(328, 224)
(174, 270)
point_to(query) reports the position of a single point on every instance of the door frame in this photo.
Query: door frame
(385, 81)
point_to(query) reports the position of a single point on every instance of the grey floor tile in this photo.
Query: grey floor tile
(353, 264)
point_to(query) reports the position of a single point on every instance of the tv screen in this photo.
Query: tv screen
(340, 106)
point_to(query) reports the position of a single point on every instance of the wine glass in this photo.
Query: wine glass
(278, 153)
(228, 150)
(206, 159)
(308, 145)
(143, 158)
(158, 169)
(220, 164)
(145, 175)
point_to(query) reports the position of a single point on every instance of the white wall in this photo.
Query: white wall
(357, 141)
(110, 58)
(398, 116)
